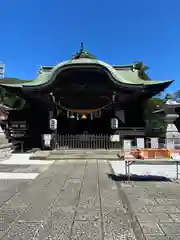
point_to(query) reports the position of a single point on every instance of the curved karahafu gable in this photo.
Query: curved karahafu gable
(131, 76)
(125, 77)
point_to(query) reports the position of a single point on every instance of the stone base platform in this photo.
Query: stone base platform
(75, 154)
(40, 155)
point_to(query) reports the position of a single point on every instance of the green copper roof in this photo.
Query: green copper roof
(119, 76)
(132, 78)
(13, 81)
(129, 76)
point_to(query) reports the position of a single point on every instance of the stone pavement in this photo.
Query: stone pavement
(77, 200)
(16, 173)
(70, 200)
(18, 166)
(156, 206)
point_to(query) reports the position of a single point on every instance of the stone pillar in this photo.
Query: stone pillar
(172, 134)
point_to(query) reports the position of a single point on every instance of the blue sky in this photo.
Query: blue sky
(44, 32)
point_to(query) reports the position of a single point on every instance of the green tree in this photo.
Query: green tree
(168, 96)
(153, 105)
(154, 115)
(142, 70)
(176, 95)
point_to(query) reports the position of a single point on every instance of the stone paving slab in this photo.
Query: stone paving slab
(70, 200)
(156, 206)
(77, 200)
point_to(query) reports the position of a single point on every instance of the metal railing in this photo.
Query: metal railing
(103, 141)
(80, 141)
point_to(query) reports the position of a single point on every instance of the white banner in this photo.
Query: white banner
(154, 143)
(115, 138)
(140, 143)
(127, 144)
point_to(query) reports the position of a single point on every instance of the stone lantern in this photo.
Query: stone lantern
(172, 134)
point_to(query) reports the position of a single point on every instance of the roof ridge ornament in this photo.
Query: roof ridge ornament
(82, 47)
(83, 54)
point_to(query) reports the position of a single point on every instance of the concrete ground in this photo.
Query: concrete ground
(67, 199)
(168, 171)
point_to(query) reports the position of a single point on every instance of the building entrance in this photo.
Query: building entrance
(84, 125)
(85, 132)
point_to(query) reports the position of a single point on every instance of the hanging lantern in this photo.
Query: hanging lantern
(114, 123)
(67, 114)
(114, 97)
(91, 116)
(53, 124)
(84, 116)
(72, 116)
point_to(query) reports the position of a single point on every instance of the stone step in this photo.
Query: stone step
(60, 155)
(84, 151)
(40, 155)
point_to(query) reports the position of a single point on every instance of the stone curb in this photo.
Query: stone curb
(134, 221)
(69, 156)
(40, 155)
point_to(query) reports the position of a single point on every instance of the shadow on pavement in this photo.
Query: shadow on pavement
(137, 178)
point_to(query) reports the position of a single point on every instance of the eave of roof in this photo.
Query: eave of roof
(120, 76)
(128, 77)
(13, 81)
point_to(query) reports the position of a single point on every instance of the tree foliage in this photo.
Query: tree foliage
(153, 116)
(176, 95)
(153, 105)
(142, 70)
